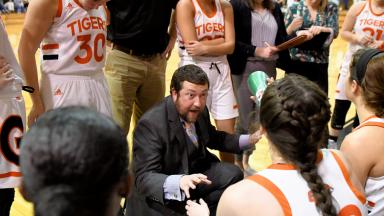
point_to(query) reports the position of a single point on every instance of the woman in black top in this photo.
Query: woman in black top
(259, 26)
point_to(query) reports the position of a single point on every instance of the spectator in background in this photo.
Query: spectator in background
(19, 6)
(259, 26)
(9, 6)
(314, 17)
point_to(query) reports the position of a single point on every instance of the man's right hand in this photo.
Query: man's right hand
(190, 181)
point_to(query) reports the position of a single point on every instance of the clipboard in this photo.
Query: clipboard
(292, 42)
(316, 42)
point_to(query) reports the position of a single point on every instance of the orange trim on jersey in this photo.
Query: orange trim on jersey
(361, 9)
(204, 12)
(362, 124)
(275, 191)
(59, 8)
(78, 3)
(377, 124)
(319, 156)
(370, 9)
(280, 166)
(10, 174)
(347, 178)
(50, 46)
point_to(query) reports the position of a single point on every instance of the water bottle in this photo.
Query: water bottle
(257, 83)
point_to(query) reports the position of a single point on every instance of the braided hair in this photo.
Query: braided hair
(295, 112)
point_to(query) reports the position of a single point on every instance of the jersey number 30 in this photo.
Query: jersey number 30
(85, 39)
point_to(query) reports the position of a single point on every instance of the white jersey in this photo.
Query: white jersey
(207, 27)
(293, 194)
(367, 22)
(374, 187)
(12, 117)
(75, 43)
(13, 88)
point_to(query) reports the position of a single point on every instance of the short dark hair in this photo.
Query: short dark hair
(71, 159)
(190, 73)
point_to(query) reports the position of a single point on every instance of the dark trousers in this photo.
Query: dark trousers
(315, 72)
(222, 175)
(6, 199)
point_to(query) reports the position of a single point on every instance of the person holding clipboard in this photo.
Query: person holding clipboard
(319, 18)
(259, 26)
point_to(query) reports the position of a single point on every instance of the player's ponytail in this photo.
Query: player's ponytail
(295, 112)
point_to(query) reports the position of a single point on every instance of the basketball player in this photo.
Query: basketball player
(302, 180)
(74, 162)
(72, 38)
(364, 86)
(205, 34)
(12, 121)
(363, 27)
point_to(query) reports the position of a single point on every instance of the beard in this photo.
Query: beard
(190, 114)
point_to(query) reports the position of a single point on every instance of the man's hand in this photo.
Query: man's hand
(190, 181)
(255, 137)
(6, 73)
(196, 209)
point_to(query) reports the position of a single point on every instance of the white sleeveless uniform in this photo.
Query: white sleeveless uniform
(221, 100)
(368, 23)
(374, 187)
(73, 54)
(294, 196)
(12, 117)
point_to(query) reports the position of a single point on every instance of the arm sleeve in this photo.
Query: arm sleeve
(172, 188)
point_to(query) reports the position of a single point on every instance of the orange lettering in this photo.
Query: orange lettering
(86, 24)
(72, 26)
(94, 22)
(100, 23)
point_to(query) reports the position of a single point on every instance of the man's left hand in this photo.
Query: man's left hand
(255, 137)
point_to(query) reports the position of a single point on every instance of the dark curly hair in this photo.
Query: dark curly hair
(71, 160)
(295, 112)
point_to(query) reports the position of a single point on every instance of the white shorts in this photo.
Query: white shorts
(12, 124)
(67, 90)
(340, 86)
(221, 101)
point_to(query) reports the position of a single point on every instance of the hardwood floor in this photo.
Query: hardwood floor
(259, 159)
